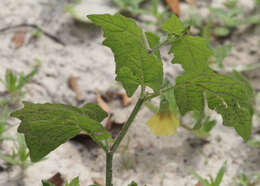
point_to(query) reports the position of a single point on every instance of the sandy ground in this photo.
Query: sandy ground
(155, 161)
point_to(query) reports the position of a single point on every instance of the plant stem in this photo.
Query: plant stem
(127, 124)
(158, 46)
(109, 161)
(109, 154)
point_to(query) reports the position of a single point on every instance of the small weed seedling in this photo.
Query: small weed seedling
(3, 122)
(139, 64)
(14, 84)
(252, 180)
(212, 182)
(19, 156)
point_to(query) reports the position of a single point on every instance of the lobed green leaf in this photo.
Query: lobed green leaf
(191, 52)
(134, 65)
(228, 96)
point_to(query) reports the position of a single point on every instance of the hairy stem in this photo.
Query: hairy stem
(109, 161)
(127, 124)
(109, 154)
(158, 46)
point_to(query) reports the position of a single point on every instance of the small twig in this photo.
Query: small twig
(49, 35)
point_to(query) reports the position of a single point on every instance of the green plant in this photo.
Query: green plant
(139, 64)
(222, 21)
(252, 180)
(129, 5)
(3, 121)
(212, 182)
(14, 84)
(19, 156)
(231, 17)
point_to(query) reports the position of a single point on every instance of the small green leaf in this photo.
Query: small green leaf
(3, 120)
(130, 5)
(134, 65)
(191, 52)
(46, 183)
(220, 53)
(22, 148)
(221, 31)
(254, 143)
(9, 159)
(173, 26)
(203, 181)
(221, 173)
(46, 126)
(10, 81)
(225, 94)
(74, 182)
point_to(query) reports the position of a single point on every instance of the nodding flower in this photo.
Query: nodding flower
(163, 123)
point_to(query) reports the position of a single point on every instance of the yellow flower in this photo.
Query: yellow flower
(163, 124)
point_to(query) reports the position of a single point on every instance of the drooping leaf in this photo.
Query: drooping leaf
(225, 94)
(46, 126)
(173, 26)
(134, 65)
(191, 52)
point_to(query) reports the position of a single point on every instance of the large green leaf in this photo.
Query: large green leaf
(46, 126)
(191, 52)
(228, 96)
(134, 65)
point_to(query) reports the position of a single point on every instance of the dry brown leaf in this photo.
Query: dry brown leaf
(174, 6)
(99, 181)
(125, 99)
(199, 184)
(73, 84)
(57, 180)
(109, 122)
(102, 103)
(18, 39)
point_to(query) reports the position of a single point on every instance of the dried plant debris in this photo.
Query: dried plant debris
(99, 181)
(102, 103)
(73, 84)
(18, 39)
(113, 95)
(57, 179)
(174, 6)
